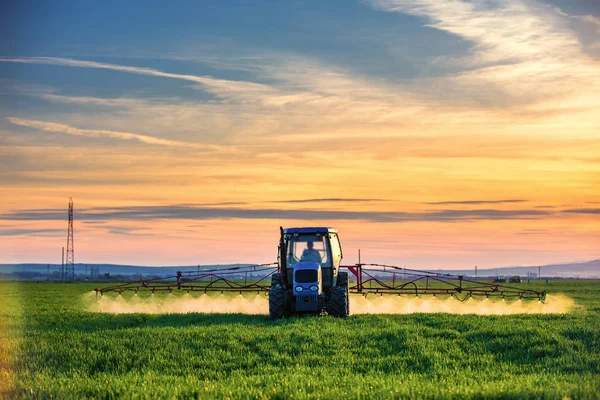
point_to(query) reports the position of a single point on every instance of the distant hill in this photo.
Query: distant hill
(589, 269)
(95, 271)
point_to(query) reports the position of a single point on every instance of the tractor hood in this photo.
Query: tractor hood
(307, 277)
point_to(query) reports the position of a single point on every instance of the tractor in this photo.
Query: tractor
(309, 278)
(515, 279)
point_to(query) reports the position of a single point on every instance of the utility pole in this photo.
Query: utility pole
(62, 266)
(70, 272)
(539, 272)
(476, 271)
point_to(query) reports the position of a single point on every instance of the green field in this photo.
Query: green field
(51, 347)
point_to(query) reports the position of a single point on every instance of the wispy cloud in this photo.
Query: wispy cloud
(522, 48)
(216, 86)
(70, 130)
(471, 202)
(124, 230)
(327, 200)
(534, 232)
(181, 212)
(583, 211)
(32, 232)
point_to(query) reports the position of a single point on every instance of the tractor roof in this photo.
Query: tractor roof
(311, 229)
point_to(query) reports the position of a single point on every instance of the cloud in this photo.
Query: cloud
(182, 212)
(98, 101)
(32, 232)
(502, 30)
(476, 202)
(583, 211)
(302, 86)
(534, 232)
(124, 230)
(313, 100)
(521, 48)
(62, 128)
(216, 86)
(326, 200)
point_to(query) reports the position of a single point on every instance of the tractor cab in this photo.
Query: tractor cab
(311, 245)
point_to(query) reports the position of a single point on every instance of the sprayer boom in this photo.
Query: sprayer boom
(253, 278)
(369, 279)
(390, 279)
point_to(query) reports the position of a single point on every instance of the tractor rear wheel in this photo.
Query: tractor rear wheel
(342, 279)
(338, 302)
(275, 279)
(276, 302)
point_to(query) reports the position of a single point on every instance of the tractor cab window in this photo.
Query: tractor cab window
(309, 248)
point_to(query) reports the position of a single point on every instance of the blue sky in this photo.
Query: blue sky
(227, 40)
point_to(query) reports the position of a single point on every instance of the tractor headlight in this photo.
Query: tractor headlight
(314, 288)
(299, 288)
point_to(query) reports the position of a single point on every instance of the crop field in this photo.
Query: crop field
(53, 346)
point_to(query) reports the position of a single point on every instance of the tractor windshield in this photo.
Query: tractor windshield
(311, 248)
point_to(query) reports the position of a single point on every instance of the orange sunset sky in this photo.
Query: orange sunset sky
(430, 134)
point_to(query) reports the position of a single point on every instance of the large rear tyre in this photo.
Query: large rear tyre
(338, 302)
(275, 279)
(276, 302)
(342, 279)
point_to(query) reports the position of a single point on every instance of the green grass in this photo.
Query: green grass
(50, 346)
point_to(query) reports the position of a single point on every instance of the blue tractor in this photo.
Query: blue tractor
(309, 280)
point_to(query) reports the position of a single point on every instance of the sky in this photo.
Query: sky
(431, 134)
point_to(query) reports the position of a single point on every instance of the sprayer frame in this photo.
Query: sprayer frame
(368, 281)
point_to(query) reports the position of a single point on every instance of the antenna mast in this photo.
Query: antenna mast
(70, 267)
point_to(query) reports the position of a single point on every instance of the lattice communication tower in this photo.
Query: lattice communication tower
(70, 265)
